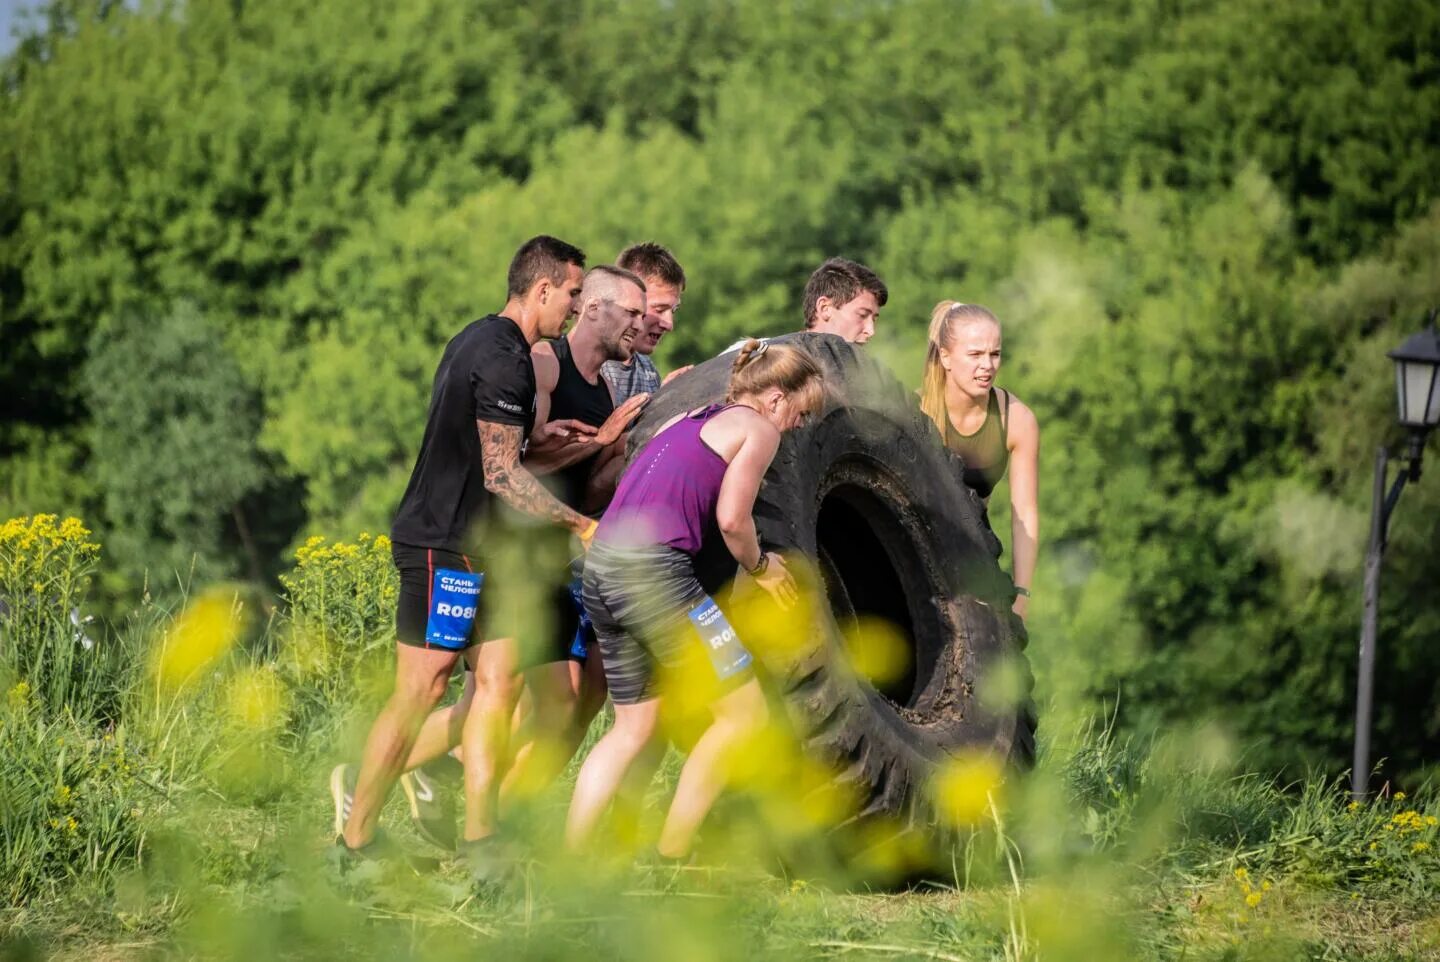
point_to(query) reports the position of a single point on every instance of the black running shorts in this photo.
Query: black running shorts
(448, 602)
(655, 625)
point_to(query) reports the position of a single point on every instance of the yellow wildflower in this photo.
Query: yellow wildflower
(1253, 899)
(1420, 847)
(1242, 874)
(71, 529)
(1406, 822)
(19, 694)
(1399, 796)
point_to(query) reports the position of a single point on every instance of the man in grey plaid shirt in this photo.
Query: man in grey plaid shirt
(664, 284)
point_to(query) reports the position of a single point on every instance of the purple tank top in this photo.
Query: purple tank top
(668, 496)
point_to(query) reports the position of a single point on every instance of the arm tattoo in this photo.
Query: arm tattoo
(504, 476)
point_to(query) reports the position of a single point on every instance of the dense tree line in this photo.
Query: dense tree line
(234, 235)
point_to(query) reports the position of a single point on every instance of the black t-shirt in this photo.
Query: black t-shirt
(485, 374)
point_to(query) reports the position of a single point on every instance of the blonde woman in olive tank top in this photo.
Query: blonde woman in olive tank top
(990, 428)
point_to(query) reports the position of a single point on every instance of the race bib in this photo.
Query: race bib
(721, 642)
(453, 600)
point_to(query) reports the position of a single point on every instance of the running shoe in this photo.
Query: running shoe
(432, 808)
(342, 793)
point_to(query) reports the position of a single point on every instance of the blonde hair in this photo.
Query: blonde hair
(945, 320)
(762, 366)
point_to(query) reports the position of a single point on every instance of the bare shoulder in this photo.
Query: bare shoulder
(1022, 425)
(751, 427)
(743, 418)
(546, 364)
(739, 427)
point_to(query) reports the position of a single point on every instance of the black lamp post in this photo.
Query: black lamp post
(1417, 382)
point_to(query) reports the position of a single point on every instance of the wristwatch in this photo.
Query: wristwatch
(760, 566)
(1022, 592)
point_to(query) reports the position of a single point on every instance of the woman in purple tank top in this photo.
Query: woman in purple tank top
(692, 486)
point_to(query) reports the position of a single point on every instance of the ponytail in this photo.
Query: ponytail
(761, 366)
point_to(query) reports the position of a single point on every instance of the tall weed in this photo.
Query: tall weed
(335, 628)
(45, 574)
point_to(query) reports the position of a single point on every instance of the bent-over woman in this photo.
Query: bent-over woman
(989, 427)
(695, 481)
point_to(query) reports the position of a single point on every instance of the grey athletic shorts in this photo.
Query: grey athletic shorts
(654, 621)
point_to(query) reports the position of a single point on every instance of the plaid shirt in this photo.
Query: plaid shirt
(627, 380)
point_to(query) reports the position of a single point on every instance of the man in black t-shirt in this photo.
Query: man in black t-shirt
(576, 420)
(468, 488)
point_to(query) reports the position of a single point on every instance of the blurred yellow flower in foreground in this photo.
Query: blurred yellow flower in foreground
(255, 699)
(876, 649)
(965, 787)
(205, 631)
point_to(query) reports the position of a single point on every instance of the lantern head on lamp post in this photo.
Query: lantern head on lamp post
(1417, 383)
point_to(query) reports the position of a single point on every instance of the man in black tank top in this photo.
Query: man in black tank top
(577, 424)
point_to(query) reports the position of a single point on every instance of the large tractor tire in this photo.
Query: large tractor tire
(870, 495)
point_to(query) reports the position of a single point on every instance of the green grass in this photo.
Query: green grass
(197, 786)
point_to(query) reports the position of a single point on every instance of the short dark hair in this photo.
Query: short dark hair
(618, 273)
(842, 281)
(649, 259)
(542, 256)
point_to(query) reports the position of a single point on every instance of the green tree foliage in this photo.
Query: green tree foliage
(1201, 220)
(172, 439)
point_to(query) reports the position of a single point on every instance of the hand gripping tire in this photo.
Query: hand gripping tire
(869, 493)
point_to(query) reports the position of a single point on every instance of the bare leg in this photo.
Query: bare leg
(487, 733)
(443, 729)
(548, 741)
(524, 709)
(559, 739)
(629, 804)
(605, 768)
(420, 677)
(590, 684)
(738, 716)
